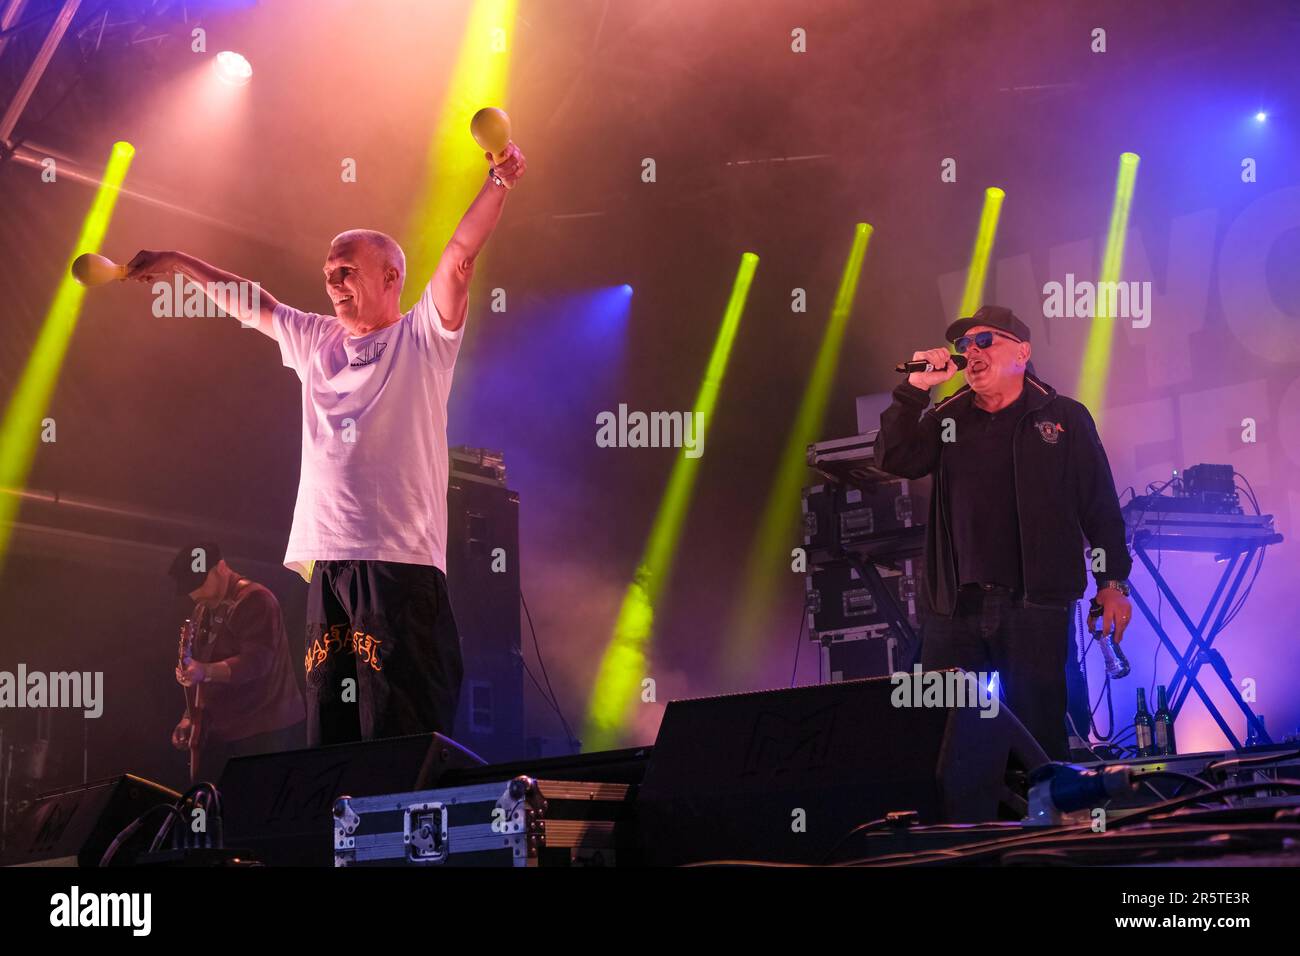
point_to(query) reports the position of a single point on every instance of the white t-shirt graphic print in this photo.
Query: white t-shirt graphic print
(373, 483)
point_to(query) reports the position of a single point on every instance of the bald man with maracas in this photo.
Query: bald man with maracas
(369, 533)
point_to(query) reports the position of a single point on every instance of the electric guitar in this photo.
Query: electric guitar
(193, 708)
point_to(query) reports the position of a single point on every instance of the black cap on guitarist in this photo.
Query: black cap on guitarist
(240, 694)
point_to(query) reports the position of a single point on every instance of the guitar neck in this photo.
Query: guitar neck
(184, 654)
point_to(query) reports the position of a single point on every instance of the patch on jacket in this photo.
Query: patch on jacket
(1050, 432)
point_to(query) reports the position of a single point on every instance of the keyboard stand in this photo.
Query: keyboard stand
(1241, 552)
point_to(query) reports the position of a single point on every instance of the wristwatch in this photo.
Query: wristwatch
(1119, 585)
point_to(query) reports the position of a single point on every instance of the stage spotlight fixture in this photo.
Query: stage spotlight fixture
(232, 68)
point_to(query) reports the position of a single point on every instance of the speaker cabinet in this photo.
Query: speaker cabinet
(483, 580)
(785, 775)
(75, 825)
(279, 805)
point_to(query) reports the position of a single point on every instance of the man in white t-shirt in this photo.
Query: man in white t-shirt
(369, 530)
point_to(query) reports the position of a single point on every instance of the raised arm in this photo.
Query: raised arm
(908, 442)
(236, 296)
(450, 281)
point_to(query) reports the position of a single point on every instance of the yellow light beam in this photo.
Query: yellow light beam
(977, 273)
(623, 666)
(1096, 355)
(455, 166)
(769, 556)
(20, 431)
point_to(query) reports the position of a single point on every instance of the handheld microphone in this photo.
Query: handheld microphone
(921, 365)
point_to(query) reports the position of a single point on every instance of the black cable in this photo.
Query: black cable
(130, 829)
(1233, 763)
(1250, 491)
(205, 796)
(1147, 812)
(1241, 598)
(201, 796)
(537, 648)
(1024, 840)
(1019, 837)
(948, 854)
(1240, 602)
(758, 864)
(1122, 739)
(1111, 729)
(860, 828)
(798, 640)
(1166, 844)
(540, 689)
(541, 692)
(1105, 691)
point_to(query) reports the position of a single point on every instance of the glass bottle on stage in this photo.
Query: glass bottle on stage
(1144, 726)
(1256, 732)
(1163, 731)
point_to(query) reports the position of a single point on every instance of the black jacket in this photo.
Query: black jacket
(1064, 491)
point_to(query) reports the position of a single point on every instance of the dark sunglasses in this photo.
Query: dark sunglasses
(982, 339)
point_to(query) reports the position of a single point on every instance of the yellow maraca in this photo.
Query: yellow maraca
(490, 128)
(90, 268)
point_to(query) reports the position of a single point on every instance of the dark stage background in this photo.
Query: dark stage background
(757, 149)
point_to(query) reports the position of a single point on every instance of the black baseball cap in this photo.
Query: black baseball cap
(182, 566)
(994, 316)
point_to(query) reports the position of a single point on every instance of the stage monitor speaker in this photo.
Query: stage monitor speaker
(602, 766)
(278, 806)
(75, 825)
(785, 775)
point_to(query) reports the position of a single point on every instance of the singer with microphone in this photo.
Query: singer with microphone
(1020, 481)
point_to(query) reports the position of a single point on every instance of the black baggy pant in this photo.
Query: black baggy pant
(383, 652)
(1026, 644)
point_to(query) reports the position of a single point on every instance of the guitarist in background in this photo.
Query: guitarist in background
(238, 677)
